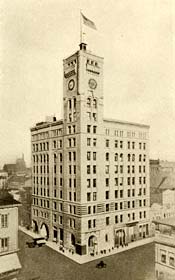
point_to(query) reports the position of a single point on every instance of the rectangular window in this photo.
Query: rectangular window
(94, 129)
(107, 169)
(116, 181)
(94, 183)
(88, 196)
(88, 155)
(121, 218)
(116, 219)
(121, 181)
(116, 206)
(128, 144)
(116, 144)
(4, 244)
(129, 192)
(107, 143)
(94, 155)
(88, 141)
(107, 221)
(107, 207)
(88, 128)
(129, 181)
(94, 196)
(107, 194)
(88, 169)
(121, 193)
(94, 169)
(4, 220)
(121, 169)
(94, 142)
(94, 115)
(74, 156)
(171, 261)
(88, 183)
(89, 224)
(107, 182)
(121, 144)
(116, 193)
(163, 258)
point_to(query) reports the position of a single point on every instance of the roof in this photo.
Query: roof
(126, 122)
(46, 124)
(9, 263)
(168, 221)
(7, 199)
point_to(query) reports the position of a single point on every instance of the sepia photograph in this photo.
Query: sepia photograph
(87, 158)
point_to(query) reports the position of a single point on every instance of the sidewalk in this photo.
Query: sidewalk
(87, 258)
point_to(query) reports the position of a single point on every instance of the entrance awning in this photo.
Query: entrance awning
(8, 263)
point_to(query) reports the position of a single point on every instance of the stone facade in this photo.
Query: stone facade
(90, 174)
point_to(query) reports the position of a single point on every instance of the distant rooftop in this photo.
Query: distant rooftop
(126, 122)
(7, 199)
(168, 221)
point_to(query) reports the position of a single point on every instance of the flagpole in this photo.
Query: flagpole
(81, 39)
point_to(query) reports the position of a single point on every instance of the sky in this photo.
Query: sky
(136, 39)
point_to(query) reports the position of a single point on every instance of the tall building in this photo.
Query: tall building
(90, 174)
(9, 262)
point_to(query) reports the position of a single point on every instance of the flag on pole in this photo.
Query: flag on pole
(88, 22)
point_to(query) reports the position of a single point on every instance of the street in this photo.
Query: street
(43, 263)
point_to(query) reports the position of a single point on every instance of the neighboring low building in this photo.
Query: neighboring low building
(26, 203)
(9, 262)
(3, 178)
(165, 249)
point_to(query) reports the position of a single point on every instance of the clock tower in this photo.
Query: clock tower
(83, 129)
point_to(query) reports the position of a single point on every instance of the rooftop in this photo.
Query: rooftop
(7, 199)
(126, 122)
(168, 221)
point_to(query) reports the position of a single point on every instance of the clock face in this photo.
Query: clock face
(92, 84)
(71, 84)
